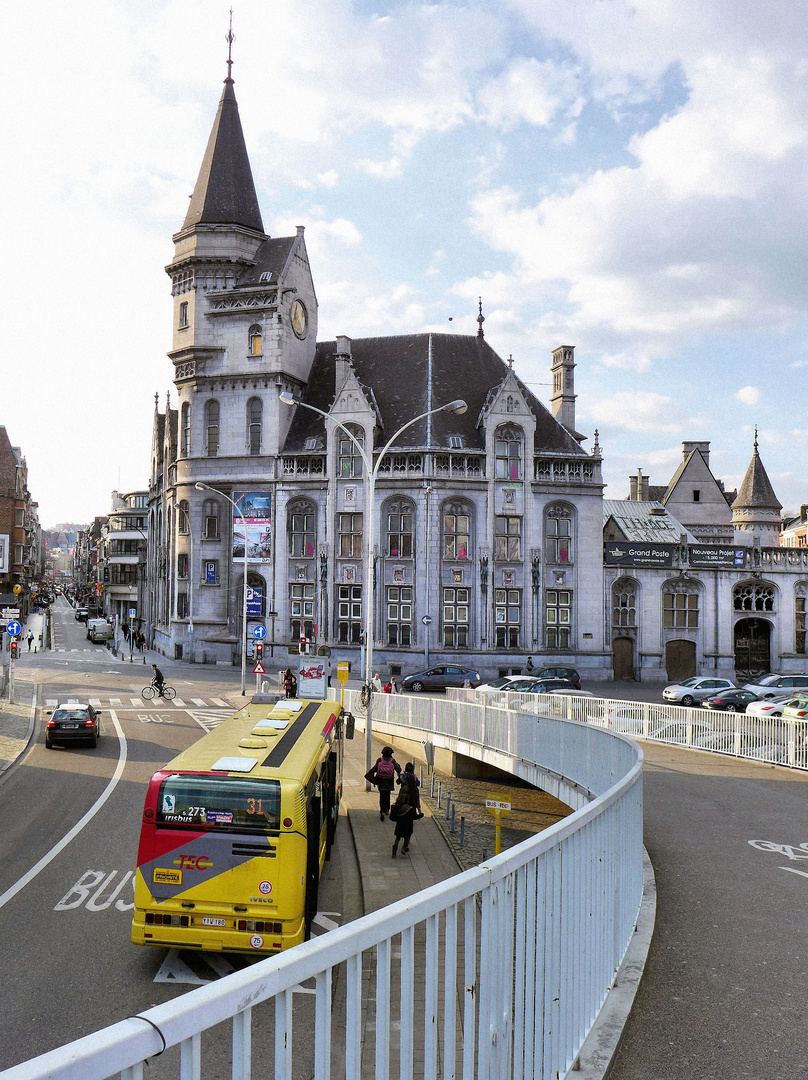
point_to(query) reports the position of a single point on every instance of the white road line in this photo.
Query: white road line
(94, 700)
(198, 701)
(179, 703)
(27, 878)
(52, 701)
(220, 703)
(115, 701)
(136, 701)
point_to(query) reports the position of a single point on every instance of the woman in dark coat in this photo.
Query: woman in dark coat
(408, 806)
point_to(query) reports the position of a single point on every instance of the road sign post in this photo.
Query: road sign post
(499, 806)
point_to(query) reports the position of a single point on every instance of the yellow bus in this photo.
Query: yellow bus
(236, 830)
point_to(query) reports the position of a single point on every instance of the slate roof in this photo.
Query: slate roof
(225, 193)
(756, 491)
(411, 373)
(271, 257)
(639, 524)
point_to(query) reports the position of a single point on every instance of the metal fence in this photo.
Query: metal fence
(771, 739)
(500, 971)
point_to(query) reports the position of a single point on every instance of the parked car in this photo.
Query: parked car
(438, 678)
(505, 682)
(695, 690)
(731, 700)
(99, 630)
(72, 723)
(796, 708)
(546, 686)
(564, 691)
(81, 614)
(770, 684)
(772, 706)
(567, 673)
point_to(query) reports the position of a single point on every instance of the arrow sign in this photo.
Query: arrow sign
(13, 628)
(259, 669)
(259, 632)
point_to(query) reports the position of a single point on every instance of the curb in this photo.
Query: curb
(26, 742)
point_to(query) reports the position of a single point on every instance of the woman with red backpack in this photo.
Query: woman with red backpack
(383, 776)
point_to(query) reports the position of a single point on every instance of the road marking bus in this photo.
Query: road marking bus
(236, 830)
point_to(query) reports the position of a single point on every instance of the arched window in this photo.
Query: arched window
(255, 411)
(457, 531)
(185, 430)
(558, 536)
(255, 339)
(508, 452)
(182, 516)
(350, 459)
(210, 520)
(212, 427)
(256, 595)
(753, 596)
(300, 528)
(400, 517)
(624, 603)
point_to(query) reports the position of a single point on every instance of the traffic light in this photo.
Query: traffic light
(303, 648)
(15, 650)
(259, 651)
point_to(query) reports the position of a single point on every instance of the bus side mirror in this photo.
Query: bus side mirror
(350, 725)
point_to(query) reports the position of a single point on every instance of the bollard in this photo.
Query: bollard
(485, 853)
(452, 826)
(432, 789)
(421, 775)
(440, 793)
(448, 804)
(462, 830)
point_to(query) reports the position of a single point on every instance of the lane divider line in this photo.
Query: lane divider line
(28, 877)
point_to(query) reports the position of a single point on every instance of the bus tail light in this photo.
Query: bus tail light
(258, 925)
(157, 918)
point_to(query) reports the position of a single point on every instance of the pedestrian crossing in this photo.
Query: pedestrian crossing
(139, 703)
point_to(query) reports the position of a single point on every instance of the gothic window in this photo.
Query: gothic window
(182, 516)
(300, 528)
(399, 529)
(255, 411)
(680, 610)
(624, 603)
(350, 458)
(349, 614)
(557, 618)
(455, 618)
(255, 339)
(349, 535)
(457, 531)
(509, 404)
(558, 535)
(507, 617)
(799, 619)
(212, 427)
(753, 597)
(508, 452)
(185, 430)
(182, 565)
(399, 615)
(210, 519)
(507, 539)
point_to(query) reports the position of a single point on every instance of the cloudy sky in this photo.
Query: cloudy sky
(625, 177)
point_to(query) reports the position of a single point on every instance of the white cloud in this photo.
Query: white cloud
(637, 410)
(528, 90)
(748, 395)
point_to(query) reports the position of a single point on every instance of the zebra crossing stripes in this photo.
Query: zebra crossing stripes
(137, 702)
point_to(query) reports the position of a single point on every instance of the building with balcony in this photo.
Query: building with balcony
(122, 560)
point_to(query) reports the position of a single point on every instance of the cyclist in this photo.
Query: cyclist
(158, 679)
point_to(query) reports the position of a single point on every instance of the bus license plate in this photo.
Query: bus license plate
(214, 922)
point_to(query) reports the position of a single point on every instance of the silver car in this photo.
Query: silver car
(771, 686)
(694, 691)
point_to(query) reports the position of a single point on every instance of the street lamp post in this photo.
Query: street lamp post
(457, 406)
(206, 487)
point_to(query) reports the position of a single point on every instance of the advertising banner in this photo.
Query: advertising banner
(256, 506)
(312, 677)
(707, 555)
(623, 553)
(254, 602)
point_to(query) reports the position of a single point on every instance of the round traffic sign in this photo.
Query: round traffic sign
(13, 628)
(259, 632)
(427, 620)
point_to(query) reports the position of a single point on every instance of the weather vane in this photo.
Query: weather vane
(231, 37)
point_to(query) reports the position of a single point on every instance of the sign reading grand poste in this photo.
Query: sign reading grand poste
(624, 553)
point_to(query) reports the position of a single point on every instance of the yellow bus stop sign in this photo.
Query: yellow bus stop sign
(499, 806)
(342, 671)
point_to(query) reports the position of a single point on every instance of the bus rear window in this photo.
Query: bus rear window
(227, 804)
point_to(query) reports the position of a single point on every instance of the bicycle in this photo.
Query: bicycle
(153, 690)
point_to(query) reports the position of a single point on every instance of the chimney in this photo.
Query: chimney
(638, 487)
(703, 446)
(343, 365)
(563, 397)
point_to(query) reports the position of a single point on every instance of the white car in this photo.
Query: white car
(506, 682)
(771, 706)
(694, 691)
(770, 686)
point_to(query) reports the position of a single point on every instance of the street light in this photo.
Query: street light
(457, 406)
(206, 487)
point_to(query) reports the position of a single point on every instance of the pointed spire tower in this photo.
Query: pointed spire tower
(756, 510)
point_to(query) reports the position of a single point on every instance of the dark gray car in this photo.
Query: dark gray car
(441, 676)
(72, 723)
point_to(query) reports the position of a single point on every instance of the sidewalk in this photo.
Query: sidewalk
(16, 724)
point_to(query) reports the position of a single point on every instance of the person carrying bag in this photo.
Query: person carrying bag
(383, 776)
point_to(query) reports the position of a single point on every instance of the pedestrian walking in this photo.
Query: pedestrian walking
(383, 776)
(30, 640)
(289, 683)
(529, 669)
(407, 809)
(141, 640)
(376, 683)
(387, 688)
(393, 686)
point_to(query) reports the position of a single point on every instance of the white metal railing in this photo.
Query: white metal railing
(771, 739)
(503, 969)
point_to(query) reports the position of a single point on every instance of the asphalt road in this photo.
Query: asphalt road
(69, 826)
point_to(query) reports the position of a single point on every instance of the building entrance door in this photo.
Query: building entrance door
(752, 648)
(680, 660)
(623, 658)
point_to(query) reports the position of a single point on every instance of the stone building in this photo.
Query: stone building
(487, 524)
(21, 552)
(122, 559)
(696, 580)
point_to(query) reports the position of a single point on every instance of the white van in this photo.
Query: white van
(100, 630)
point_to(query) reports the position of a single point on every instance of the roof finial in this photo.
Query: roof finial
(480, 318)
(231, 37)
(756, 439)
(596, 447)
(510, 361)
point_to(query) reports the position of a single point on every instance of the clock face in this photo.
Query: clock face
(300, 319)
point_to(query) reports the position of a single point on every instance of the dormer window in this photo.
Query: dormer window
(255, 339)
(266, 276)
(455, 442)
(311, 444)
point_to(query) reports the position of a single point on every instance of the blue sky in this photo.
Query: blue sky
(625, 177)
